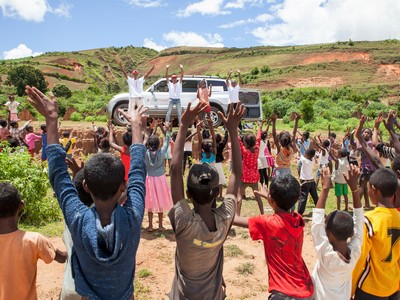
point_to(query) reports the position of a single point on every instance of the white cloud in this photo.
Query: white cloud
(20, 51)
(149, 43)
(176, 38)
(259, 19)
(321, 21)
(243, 3)
(32, 10)
(205, 7)
(145, 3)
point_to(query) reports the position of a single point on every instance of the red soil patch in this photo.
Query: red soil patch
(391, 72)
(300, 82)
(336, 56)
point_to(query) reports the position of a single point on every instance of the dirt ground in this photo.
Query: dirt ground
(245, 270)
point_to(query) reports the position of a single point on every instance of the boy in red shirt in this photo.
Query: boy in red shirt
(282, 234)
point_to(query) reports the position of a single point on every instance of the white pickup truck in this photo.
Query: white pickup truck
(156, 98)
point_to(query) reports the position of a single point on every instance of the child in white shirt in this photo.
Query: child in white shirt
(341, 168)
(336, 257)
(307, 182)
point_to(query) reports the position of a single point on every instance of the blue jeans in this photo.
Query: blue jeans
(177, 103)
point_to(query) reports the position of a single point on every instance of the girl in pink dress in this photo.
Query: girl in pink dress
(158, 193)
(30, 139)
(250, 148)
(203, 94)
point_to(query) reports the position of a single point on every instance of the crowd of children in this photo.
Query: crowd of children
(104, 204)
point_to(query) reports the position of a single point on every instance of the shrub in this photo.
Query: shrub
(101, 118)
(265, 69)
(254, 71)
(75, 116)
(61, 90)
(90, 119)
(31, 180)
(26, 75)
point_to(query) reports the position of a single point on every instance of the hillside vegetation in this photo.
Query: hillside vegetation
(359, 72)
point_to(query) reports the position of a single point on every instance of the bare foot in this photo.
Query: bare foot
(161, 228)
(149, 229)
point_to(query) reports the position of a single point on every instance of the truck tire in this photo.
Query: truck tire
(118, 118)
(216, 119)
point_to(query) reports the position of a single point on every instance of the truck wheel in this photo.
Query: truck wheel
(215, 118)
(118, 118)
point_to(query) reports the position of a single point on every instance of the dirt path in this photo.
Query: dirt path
(155, 266)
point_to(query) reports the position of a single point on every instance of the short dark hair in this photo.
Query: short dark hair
(285, 139)
(43, 127)
(202, 196)
(306, 135)
(340, 224)
(342, 152)
(310, 152)
(29, 128)
(154, 143)
(264, 135)
(285, 191)
(84, 196)
(333, 135)
(65, 134)
(104, 173)
(207, 145)
(385, 181)
(396, 164)
(206, 134)
(13, 123)
(218, 138)
(249, 140)
(104, 144)
(326, 143)
(127, 138)
(10, 200)
(3, 123)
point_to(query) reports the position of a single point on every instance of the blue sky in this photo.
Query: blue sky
(31, 27)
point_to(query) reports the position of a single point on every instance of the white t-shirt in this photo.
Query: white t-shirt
(343, 164)
(332, 272)
(233, 93)
(263, 145)
(323, 159)
(12, 106)
(306, 171)
(188, 146)
(135, 87)
(174, 90)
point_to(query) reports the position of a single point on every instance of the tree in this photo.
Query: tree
(26, 75)
(61, 90)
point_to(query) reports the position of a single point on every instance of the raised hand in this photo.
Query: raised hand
(181, 66)
(135, 116)
(378, 121)
(232, 120)
(359, 129)
(190, 113)
(325, 178)
(238, 71)
(263, 192)
(390, 121)
(46, 107)
(353, 177)
(273, 117)
(74, 166)
(167, 66)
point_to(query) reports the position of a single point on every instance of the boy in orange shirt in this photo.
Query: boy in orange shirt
(20, 250)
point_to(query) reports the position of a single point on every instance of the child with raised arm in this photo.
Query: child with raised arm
(201, 232)
(124, 150)
(282, 234)
(207, 147)
(336, 255)
(341, 167)
(285, 145)
(30, 139)
(158, 193)
(250, 148)
(203, 94)
(20, 250)
(105, 237)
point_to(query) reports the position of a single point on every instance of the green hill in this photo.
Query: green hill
(94, 76)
